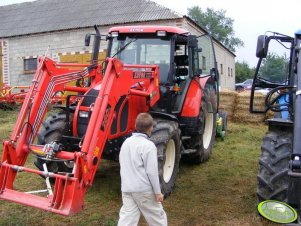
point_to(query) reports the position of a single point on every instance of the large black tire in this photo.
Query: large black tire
(273, 166)
(203, 141)
(166, 136)
(51, 130)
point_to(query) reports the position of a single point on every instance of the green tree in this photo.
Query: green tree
(243, 71)
(217, 24)
(274, 68)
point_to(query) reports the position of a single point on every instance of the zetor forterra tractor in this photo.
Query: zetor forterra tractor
(279, 70)
(162, 70)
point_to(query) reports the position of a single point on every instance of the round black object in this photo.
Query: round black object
(166, 136)
(51, 130)
(273, 166)
(203, 141)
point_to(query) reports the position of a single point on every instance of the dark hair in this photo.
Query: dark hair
(144, 122)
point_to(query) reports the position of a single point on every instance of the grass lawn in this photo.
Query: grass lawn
(221, 191)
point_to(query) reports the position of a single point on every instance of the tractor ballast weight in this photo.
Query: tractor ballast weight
(153, 69)
(280, 161)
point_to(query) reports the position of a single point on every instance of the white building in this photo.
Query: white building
(57, 28)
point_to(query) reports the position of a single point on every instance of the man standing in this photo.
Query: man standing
(140, 185)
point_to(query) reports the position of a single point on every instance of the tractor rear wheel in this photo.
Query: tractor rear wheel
(51, 130)
(273, 166)
(166, 136)
(203, 141)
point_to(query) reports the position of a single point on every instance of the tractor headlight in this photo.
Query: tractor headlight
(161, 33)
(114, 33)
(83, 114)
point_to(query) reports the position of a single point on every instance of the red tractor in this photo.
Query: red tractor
(162, 70)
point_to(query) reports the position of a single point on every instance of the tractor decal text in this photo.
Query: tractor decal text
(141, 75)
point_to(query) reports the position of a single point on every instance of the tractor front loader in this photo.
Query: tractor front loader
(155, 69)
(279, 71)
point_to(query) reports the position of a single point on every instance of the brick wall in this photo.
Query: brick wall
(51, 44)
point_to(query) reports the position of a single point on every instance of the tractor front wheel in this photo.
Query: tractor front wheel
(51, 130)
(273, 166)
(166, 136)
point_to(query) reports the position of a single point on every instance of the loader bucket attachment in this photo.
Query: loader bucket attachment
(67, 198)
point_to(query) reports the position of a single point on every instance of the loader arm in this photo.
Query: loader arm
(118, 81)
(69, 189)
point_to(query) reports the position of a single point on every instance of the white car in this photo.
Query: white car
(246, 85)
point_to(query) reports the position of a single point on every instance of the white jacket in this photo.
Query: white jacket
(139, 165)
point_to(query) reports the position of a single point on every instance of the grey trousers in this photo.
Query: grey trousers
(135, 203)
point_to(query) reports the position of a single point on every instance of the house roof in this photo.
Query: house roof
(55, 15)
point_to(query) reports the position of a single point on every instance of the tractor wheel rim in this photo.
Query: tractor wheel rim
(169, 163)
(207, 135)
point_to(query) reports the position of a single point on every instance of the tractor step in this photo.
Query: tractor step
(186, 137)
(188, 151)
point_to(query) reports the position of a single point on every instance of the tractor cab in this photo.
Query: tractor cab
(179, 55)
(274, 75)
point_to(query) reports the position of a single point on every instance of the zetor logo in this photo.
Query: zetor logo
(136, 30)
(141, 74)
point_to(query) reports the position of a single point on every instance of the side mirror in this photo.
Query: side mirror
(87, 39)
(262, 46)
(214, 74)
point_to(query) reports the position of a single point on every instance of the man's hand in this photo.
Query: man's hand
(159, 197)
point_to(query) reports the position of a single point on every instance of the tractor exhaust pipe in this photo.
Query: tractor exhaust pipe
(96, 44)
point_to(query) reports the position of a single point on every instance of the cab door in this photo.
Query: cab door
(206, 69)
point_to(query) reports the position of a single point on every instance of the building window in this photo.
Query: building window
(228, 71)
(231, 72)
(30, 65)
(222, 71)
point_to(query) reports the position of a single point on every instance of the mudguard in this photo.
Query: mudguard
(195, 96)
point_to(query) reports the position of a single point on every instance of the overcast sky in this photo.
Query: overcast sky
(251, 18)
